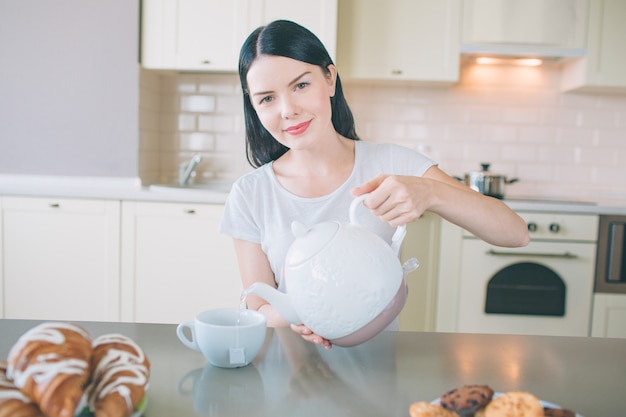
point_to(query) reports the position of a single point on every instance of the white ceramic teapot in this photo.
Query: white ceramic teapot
(342, 281)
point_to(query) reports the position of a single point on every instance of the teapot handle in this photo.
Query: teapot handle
(398, 236)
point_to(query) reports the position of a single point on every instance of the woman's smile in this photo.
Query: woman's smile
(299, 128)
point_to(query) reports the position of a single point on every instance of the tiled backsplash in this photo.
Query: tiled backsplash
(181, 115)
(516, 118)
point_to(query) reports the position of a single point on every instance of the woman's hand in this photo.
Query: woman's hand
(396, 199)
(308, 335)
(399, 199)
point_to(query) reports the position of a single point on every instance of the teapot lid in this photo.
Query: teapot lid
(309, 241)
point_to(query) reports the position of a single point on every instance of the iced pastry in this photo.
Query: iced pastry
(120, 374)
(50, 365)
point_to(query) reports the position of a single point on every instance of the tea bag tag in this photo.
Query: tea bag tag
(237, 355)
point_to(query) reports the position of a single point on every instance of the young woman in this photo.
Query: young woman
(310, 165)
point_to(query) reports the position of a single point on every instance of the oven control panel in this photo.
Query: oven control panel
(559, 226)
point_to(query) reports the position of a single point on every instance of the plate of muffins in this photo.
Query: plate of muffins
(482, 401)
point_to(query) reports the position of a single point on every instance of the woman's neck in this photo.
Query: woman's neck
(318, 172)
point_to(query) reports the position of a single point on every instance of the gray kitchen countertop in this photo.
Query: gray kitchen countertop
(382, 377)
(564, 205)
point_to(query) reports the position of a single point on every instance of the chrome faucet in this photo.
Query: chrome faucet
(186, 169)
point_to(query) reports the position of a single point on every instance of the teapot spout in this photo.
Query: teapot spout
(276, 298)
(410, 266)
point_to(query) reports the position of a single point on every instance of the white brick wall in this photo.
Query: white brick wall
(557, 144)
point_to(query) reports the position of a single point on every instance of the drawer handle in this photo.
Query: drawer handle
(54, 205)
(566, 255)
(616, 249)
(190, 211)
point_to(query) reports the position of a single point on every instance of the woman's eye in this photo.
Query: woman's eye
(301, 85)
(266, 99)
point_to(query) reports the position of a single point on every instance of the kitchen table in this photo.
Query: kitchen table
(381, 377)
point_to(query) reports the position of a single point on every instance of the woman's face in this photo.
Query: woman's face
(292, 99)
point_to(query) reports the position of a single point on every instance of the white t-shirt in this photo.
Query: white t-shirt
(261, 211)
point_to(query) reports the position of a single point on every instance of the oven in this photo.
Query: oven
(545, 288)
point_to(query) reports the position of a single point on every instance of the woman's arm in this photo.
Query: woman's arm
(403, 199)
(255, 267)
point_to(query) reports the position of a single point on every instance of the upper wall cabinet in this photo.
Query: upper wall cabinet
(194, 35)
(411, 40)
(206, 35)
(604, 67)
(319, 16)
(535, 27)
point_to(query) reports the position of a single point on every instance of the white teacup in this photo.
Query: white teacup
(227, 337)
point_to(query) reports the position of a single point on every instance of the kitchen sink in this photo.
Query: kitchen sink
(221, 186)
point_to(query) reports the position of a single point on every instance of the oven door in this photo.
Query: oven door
(545, 288)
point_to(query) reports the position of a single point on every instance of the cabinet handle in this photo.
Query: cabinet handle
(206, 61)
(616, 250)
(396, 72)
(566, 255)
(190, 211)
(54, 205)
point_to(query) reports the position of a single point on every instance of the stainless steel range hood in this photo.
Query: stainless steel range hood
(510, 50)
(554, 29)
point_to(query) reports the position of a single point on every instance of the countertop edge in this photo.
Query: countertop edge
(600, 208)
(130, 188)
(101, 188)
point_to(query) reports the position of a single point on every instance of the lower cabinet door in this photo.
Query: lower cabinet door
(609, 315)
(422, 243)
(60, 259)
(175, 263)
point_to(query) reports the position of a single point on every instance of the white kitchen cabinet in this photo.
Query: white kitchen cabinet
(193, 34)
(536, 27)
(410, 40)
(174, 262)
(449, 273)
(60, 258)
(206, 35)
(319, 16)
(1, 264)
(609, 315)
(422, 243)
(604, 66)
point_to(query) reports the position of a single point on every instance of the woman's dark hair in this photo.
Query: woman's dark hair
(287, 39)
